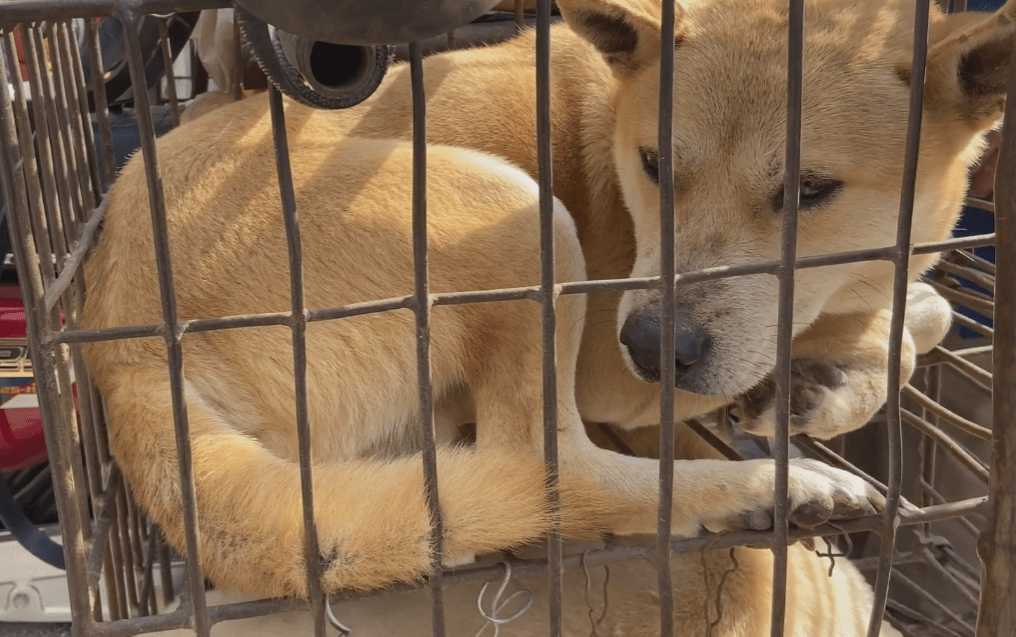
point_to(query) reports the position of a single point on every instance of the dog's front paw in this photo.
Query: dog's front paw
(817, 493)
(825, 400)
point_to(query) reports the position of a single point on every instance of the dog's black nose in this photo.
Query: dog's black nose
(641, 335)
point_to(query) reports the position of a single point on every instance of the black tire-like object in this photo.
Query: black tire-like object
(268, 52)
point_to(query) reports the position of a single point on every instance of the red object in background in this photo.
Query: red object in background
(21, 54)
(21, 439)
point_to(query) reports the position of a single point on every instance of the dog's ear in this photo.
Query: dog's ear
(626, 32)
(968, 64)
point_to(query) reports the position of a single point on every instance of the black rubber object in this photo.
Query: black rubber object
(268, 53)
(24, 531)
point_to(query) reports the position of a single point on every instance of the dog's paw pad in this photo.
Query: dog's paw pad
(812, 382)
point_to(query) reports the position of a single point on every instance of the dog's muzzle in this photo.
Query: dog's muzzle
(641, 335)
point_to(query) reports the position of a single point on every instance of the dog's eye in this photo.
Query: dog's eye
(815, 192)
(650, 164)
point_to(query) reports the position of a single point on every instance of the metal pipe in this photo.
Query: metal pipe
(668, 365)
(996, 615)
(901, 260)
(170, 331)
(421, 310)
(548, 295)
(298, 325)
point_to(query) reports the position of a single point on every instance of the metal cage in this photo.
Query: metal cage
(57, 170)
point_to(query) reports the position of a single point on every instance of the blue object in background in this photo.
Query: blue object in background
(975, 221)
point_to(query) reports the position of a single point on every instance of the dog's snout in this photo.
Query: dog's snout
(641, 335)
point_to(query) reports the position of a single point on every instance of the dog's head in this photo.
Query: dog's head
(729, 127)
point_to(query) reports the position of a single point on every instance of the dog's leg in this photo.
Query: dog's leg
(840, 369)
(602, 491)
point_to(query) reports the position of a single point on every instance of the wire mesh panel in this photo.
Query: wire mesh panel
(931, 462)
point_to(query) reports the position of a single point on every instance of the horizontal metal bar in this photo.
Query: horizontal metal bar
(973, 351)
(970, 273)
(973, 325)
(950, 445)
(181, 617)
(962, 455)
(20, 11)
(505, 294)
(713, 440)
(961, 423)
(980, 303)
(106, 334)
(973, 373)
(982, 204)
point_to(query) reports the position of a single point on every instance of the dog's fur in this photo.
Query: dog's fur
(353, 193)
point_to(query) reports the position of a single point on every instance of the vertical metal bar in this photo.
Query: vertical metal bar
(123, 534)
(171, 327)
(928, 448)
(665, 159)
(101, 103)
(43, 141)
(60, 101)
(27, 167)
(545, 164)
(238, 58)
(61, 395)
(79, 142)
(81, 88)
(115, 572)
(520, 15)
(72, 442)
(785, 328)
(901, 261)
(165, 568)
(112, 590)
(167, 63)
(996, 616)
(298, 324)
(136, 538)
(61, 152)
(16, 195)
(421, 306)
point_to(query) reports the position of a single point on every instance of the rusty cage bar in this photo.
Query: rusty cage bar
(56, 176)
